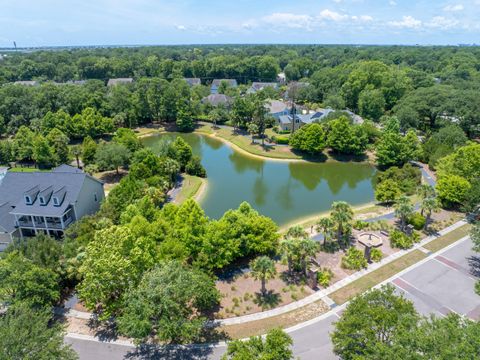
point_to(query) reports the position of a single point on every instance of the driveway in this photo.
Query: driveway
(443, 283)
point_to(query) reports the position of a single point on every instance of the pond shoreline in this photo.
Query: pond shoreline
(199, 131)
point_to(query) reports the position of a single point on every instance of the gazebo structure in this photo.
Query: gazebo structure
(369, 240)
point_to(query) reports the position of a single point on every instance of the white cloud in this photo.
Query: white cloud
(290, 20)
(392, 2)
(337, 1)
(181, 27)
(453, 8)
(440, 22)
(408, 22)
(332, 15)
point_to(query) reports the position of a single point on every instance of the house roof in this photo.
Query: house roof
(257, 86)
(230, 82)
(26, 83)
(276, 106)
(7, 220)
(306, 118)
(63, 181)
(217, 99)
(118, 81)
(193, 81)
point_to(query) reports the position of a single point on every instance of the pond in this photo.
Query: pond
(284, 191)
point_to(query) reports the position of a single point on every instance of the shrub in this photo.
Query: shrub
(194, 167)
(281, 140)
(417, 221)
(360, 225)
(401, 240)
(376, 255)
(324, 277)
(354, 260)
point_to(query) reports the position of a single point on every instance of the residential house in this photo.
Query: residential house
(217, 82)
(282, 78)
(193, 81)
(118, 81)
(277, 108)
(258, 86)
(45, 202)
(217, 99)
(27, 83)
(284, 122)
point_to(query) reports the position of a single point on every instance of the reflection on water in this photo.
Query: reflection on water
(282, 190)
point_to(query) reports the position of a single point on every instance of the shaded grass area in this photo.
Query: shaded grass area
(375, 277)
(259, 327)
(190, 186)
(27, 169)
(448, 239)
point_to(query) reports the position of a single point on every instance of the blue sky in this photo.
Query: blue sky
(112, 22)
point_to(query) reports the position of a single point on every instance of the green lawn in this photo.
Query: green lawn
(450, 238)
(26, 169)
(190, 187)
(368, 281)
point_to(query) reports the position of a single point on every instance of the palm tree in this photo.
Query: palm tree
(252, 129)
(263, 269)
(288, 248)
(306, 249)
(429, 205)
(403, 209)
(296, 232)
(325, 225)
(425, 191)
(342, 216)
(76, 151)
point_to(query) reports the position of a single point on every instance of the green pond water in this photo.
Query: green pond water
(284, 191)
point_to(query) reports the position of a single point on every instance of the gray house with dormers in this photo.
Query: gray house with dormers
(45, 202)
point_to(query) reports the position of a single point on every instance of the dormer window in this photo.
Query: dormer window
(56, 202)
(42, 200)
(28, 200)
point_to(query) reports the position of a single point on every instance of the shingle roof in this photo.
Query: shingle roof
(64, 179)
(256, 86)
(231, 82)
(193, 81)
(276, 106)
(217, 99)
(7, 221)
(118, 81)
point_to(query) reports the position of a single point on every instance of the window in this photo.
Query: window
(42, 200)
(95, 197)
(28, 200)
(55, 201)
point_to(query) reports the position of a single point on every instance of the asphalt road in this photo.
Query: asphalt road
(442, 284)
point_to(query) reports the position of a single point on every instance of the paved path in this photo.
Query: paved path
(442, 283)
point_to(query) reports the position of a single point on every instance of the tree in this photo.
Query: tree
(395, 149)
(325, 225)
(29, 334)
(403, 209)
(185, 121)
(76, 152)
(346, 138)
(425, 191)
(22, 281)
(276, 346)
(113, 263)
(183, 151)
(288, 249)
(253, 129)
(168, 304)
(43, 153)
(110, 156)
(475, 236)
(128, 138)
(371, 104)
(195, 167)
(370, 323)
(305, 249)
(59, 143)
(464, 162)
(387, 191)
(296, 232)
(263, 269)
(342, 215)
(452, 189)
(429, 205)
(309, 138)
(89, 149)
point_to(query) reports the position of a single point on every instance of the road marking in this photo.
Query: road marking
(453, 265)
